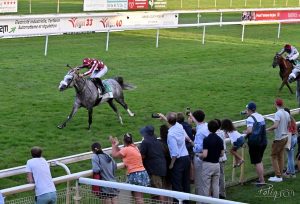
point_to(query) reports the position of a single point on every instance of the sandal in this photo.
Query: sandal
(240, 163)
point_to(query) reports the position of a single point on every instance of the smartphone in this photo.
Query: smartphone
(155, 115)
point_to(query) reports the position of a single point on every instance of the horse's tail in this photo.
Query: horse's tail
(125, 86)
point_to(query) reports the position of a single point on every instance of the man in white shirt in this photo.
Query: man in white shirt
(38, 172)
(280, 127)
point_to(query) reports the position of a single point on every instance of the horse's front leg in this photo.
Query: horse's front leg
(90, 112)
(74, 110)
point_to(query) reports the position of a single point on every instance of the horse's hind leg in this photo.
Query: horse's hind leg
(125, 106)
(113, 106)
(287, 84)
(90, 112)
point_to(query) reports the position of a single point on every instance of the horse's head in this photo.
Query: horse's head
(69, 79)
(276, 60)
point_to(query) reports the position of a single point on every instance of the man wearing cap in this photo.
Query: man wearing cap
(256, 152)
(280, 127)
(153, 158)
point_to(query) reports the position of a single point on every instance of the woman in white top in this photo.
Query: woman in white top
(237, 140)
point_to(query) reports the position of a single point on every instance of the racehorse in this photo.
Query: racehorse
(285, 67)
(87, 94)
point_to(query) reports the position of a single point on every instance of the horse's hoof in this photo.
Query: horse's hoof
(60, 126)
(132, 115)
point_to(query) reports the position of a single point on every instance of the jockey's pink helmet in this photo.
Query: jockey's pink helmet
(287, 47)
(86, 62)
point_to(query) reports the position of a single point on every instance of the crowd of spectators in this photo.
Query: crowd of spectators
(184, 153)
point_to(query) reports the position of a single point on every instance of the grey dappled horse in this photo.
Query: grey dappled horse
(87, 94)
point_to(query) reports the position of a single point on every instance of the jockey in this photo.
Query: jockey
(96, 70)
(292, 56)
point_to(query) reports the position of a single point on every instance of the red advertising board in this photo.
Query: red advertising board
(276, 15)
(270, 15)
(137, 4)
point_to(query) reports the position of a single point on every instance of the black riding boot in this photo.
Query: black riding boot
(99, 84)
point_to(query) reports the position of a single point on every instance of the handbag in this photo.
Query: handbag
(288, 143)
(97, 189)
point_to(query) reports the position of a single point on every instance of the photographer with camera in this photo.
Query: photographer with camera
(180, 161)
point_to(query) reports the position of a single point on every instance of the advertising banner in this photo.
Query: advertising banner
(137, 4)
(270, 15)
(102, 5)
(8, 6)
(57, 24)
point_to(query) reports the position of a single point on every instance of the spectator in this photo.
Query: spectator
(38, 172)
(222, 160)
(298, 153)
(290, 172)
(163, 139)
(237, 140)
(256, 152)
(189, 146)
(213, 149)
(280, 127)
(180, 161)
(103, 164)
(154, 161)
(1, 198)
(132, 159)
(202, 131)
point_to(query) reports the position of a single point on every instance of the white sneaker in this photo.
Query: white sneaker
(275, 179)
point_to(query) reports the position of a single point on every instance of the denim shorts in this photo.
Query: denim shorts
(140, 178)
(238, 143)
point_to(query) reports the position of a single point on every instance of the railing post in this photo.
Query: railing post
(203, 35)
(57, 6)
(242, 175)
(157, 36)
(243, 32)
(199, 3)
(259, 3)
(77, 197)
(230, 4)
(46, 46)
(221, 19)
(107, 40)
(30, 6)
(274, 3)
(278, 32)
(215, 3)
(245, 3)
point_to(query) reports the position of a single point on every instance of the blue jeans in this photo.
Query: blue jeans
(47, 198)
(290, 156)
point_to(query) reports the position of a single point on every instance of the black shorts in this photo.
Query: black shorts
(256, 153)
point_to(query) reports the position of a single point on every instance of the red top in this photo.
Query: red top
(95, 65)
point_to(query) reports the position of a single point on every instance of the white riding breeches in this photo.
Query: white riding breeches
(99, 74)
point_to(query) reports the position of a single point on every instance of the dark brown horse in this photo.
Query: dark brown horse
(285, 68)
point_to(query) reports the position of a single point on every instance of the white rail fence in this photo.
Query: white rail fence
(155, 191)
(199, 4)
(86, 156)
(158, 26)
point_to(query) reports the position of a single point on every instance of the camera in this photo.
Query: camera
(243, 112)
(187, 111)
(155, 115)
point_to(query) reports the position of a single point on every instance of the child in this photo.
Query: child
(237, 140)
